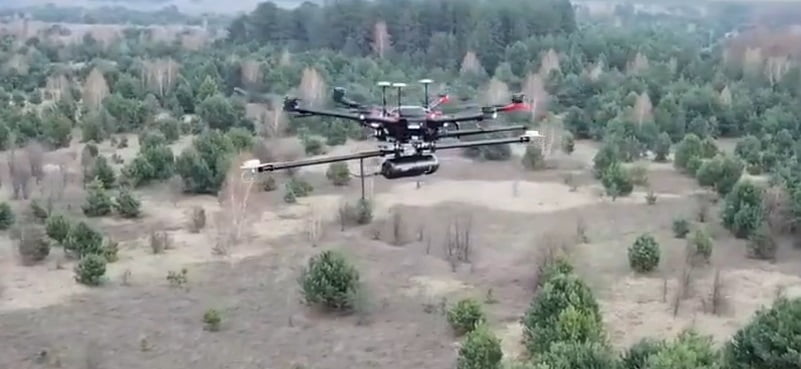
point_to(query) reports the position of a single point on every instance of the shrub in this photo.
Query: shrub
(761, 244)
(644, 254)
(110, 250)
(617, 181)
(197, 219)
(552, 269)
(313, 146)
(82, 240)
(681, 227)
(98, 202)
(541, 321)
(637, 356)
(689, 148)
(721, 172)
(160, 241)
(480, 350)
(329, 280)
(90, 270)
(575, 355)
(700, 247)
(289, 196)
(212, 320)
(338, 174)
(689, 350)
(533, 158)
(606, 156)
(772, 339)
(742, 210)
(127, 205)
(662, 147)
(203, 166)
(465, 316)
(58, 228)
(38, 212)
(7, 216)
(299, 187)
(361, 213)
(102, 171)
(33, 244)
(568, 143)
(638, 174)
(269, 184)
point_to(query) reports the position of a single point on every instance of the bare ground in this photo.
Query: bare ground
(144, 323)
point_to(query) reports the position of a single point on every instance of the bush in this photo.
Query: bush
(742, 211)
(617, 181)
(313, 146)
(700, 247)
(480, 350)
(212, 320)
(338, 174)
(38, 212)
(689, 148)
(110, 250)
(662, 147)
(761, 244)
(127, 205)
(772, 339)
(361, 213)
(299, 187)
(58, 228)
(203, 166)
(637, 356)
(83, 240)
(7, 216)
(721, 172)
(606, 156)
(90, 270)
(102, 171)
(33, 244)
(541, 323)
(552, 269)
(269, 184)
(98, 202)
(644, 254)
(533, 158)
(689, 350)
(568, 143)
(329, 280)
(681, 227)
(577, 355)
(465, 316)
(197, 219)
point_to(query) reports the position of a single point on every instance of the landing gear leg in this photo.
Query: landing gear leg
(361, 175)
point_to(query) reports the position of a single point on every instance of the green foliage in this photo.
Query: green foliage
(7, 217)
(33, 244)
(688, 149)
(606, 157)
(170, 128)
(742, 210)
(127, 205)
(153, 162)
(772, 339)
(298, 187)
(98, 202)
(313, 146)
(328, 281)
(212, 320)
(637, 356)
(681, 227)
(568, 143)
(465, 316)
(58, 227)
(102, 171)
(241, 139)
(83, 240)
(564, 308)
(338, 174)
(90, 270)
(617, 181)
(480, 350)
(700, 246)
(577, 355)
(689, 350)
(204, 165)
(721, 172)
(533, 158)
(553, 268)
(762, 245)
(644, 254)
(662, 147)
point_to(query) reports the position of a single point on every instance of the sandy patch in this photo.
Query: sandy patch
(634, 307)
(432, 287)
(511, 336)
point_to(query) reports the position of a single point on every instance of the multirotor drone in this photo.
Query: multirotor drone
(407, 134)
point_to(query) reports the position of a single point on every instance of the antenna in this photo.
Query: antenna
(400, 87)
(425, 83)
(384, 85)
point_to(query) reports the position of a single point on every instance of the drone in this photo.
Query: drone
(408, 135)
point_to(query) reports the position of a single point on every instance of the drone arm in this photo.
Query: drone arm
(254, 166)
(525, 138)
(479, 131)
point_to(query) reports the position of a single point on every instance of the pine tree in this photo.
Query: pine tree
(98, 202)
(127, 205)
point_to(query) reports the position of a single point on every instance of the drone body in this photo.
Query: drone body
(408, 134)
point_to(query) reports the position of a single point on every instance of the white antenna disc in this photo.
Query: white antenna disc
(426, 81)
(384, 84)
(398, 84)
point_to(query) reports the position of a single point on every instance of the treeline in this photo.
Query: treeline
(110, 15)
(416, 27)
